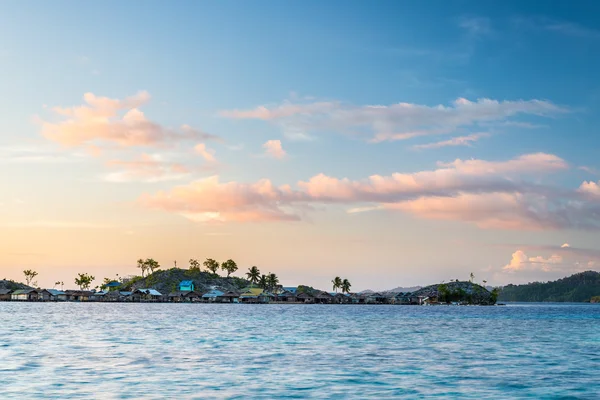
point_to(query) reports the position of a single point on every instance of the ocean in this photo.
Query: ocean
(235, 351)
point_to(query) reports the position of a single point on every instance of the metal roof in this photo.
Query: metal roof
(186, 283)
(213, 293)
(151, 292)
(55, 292)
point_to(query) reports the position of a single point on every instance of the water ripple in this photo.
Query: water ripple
(156, 351)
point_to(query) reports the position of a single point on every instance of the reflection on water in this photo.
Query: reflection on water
(156, 351)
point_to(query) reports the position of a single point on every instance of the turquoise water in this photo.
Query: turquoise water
(156, 351)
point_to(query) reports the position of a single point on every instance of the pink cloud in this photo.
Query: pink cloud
(103, 120)
(205, 152)
(274, 149)
(488, 194)
(453, 177)
(590, 188)
(210, 200)
(146, 168)
(520, 261)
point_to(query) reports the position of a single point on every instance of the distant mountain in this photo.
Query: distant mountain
(405, 289)
(580, 287)
(12, 285)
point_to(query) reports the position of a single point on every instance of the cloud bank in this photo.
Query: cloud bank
(488, 194)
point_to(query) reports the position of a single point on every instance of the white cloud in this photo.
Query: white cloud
(399, 121)
(455, 141)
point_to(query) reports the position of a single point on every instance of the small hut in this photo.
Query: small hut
(78, 295)
(5, 294)
(25, 295)
(212, 296)
(323, 298)
(305, 298)
(152, 295)
(287, 296)
(52, 295)
(229, 297)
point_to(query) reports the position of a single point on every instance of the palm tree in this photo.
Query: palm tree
(142, 266)
(263, 282)
(253, 275)
(272, 281)
(337, 283)
(346, 286)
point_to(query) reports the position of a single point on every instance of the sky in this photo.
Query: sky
(389, 143)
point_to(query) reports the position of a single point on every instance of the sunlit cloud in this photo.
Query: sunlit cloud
(102, 121)
(146, 168)
(205, 152)
(488, 194)
(590, 188)
(274, 149)
(209, 200)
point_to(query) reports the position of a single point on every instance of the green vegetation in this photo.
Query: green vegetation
(457, 291)
(12, 285)
(229, 266)
(194, 265)
(84, 281)
(29, 276)
(346, 285)
(580, 287)
(338, 283)
(253, 275)
(211, 265)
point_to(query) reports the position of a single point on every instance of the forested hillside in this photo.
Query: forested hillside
(580, 287)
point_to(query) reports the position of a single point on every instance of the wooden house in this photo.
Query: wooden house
(358, 298)
(5, 294)
(251, 295)
(323, 298)
(52, 295)
(305, 298)
(286, 296)
(212, 296)
(229, 297)
(78, 295)
(25, 295)
(151, 295)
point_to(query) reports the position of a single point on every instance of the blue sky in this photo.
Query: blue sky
(201, 61)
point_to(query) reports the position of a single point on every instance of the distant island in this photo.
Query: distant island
(581, 287)
(201, 282)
